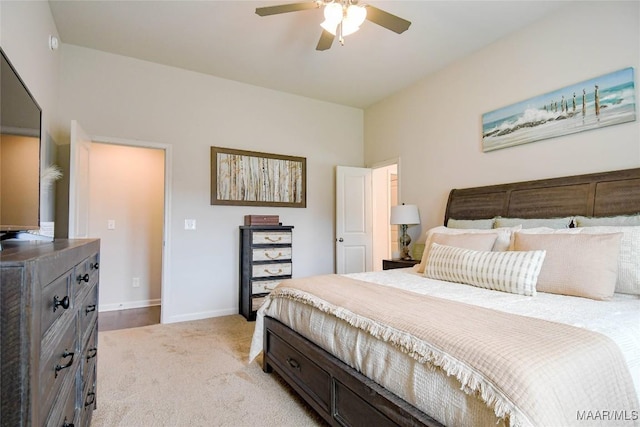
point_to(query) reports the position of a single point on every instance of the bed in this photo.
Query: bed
(393, 354)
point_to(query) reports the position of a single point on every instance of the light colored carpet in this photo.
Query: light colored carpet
(191, 374)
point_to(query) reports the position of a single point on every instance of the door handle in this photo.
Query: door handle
(340, 240)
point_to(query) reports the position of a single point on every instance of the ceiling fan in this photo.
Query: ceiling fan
(342, 17)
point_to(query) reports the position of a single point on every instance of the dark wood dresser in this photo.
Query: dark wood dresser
(265, 260)
(49, 340)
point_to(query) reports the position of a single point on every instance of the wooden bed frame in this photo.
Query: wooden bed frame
(343, 396)
(598, 194)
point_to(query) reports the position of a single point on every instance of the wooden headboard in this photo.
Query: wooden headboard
(597, 194)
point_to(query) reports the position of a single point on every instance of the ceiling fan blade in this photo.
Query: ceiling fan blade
(387, 20)
(326, 40)
(285, 8)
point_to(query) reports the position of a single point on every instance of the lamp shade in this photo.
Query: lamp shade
(405, 214)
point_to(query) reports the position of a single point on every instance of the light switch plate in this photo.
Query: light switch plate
(189, 224)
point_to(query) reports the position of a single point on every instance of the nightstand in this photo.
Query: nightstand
(389, 264)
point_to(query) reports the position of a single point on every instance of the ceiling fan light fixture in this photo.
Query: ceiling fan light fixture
(330, 27)
(338, 14)
(342, 17)
(348, 28)
(356, 15)
(333, 13)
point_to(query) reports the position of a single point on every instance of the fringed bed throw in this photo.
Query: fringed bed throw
(531, 372)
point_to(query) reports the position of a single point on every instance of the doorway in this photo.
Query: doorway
(122, 192)
(385, 195)
(126, 211)
(364, 235)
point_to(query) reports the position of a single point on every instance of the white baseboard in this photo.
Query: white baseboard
(128, 304)
(201, 315)
(168, 319)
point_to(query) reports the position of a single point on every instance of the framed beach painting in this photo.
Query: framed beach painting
(250, 178)
(602, 101)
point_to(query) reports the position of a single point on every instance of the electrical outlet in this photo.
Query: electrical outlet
(189, 224)
(136, 282)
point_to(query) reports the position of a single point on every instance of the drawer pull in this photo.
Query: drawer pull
(91, 399)
(91, 353)
(293, 363)
(266, 270)
(94, 266)
(273, 240)
(64, 356)
(84, 278)
(64, 302)
(268, 255)
(90, 308)
(67, 423)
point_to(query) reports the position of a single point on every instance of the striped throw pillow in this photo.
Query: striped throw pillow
(512, 271)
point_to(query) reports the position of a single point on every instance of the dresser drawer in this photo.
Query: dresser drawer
(88, 312)
(271, 237)
(263, 286)
(310, 377)
(256, 303)
(350, 407)
(271, 270)
(88, 402)
(271, 254)
(63, 412)
(57, 299)
(89, 355)
(58, 363)
(86, 272)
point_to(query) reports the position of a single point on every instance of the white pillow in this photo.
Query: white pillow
(628, 281)
(515, 272)
(547, 230)
(630, 220)
(478, 224)
(503, 240)
(533, 222)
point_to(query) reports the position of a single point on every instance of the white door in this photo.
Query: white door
(354, 225)
(80, 154)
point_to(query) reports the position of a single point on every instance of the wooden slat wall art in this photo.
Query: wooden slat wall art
(250, 178)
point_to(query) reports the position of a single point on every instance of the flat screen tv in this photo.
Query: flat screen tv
(20, 122)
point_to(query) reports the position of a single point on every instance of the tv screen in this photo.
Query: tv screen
(20, 118)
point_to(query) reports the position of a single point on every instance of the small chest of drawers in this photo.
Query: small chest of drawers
(265, 260)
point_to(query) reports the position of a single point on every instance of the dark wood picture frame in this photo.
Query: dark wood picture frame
(251, 178)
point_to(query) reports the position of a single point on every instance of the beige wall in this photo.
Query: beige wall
(435, 125)
(119, 97)
(126, 185)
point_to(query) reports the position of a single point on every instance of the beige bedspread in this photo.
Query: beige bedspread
(530, 371)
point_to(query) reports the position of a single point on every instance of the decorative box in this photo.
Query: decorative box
(261, 220)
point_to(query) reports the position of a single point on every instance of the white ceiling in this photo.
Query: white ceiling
(227, 39)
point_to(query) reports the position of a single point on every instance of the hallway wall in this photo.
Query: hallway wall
(127, 187)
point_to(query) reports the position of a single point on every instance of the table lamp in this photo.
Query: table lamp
(405, 215)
